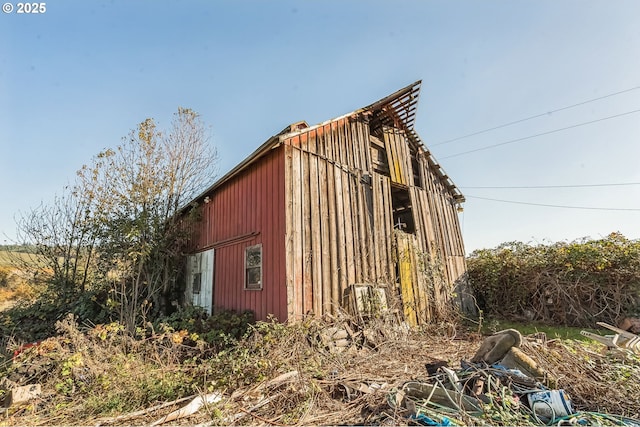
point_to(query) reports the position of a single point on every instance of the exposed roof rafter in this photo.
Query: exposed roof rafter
(397, 109)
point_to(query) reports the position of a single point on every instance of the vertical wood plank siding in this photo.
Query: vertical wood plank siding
(343, 228)
(320, 202)
(245, 211)
(339, 219)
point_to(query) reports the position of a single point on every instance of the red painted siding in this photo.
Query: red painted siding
(248, 210)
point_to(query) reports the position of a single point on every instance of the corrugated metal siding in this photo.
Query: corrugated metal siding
(245, 211)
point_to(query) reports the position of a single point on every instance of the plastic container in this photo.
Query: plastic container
(550, 404)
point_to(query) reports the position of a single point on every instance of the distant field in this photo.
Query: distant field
(7, 256)
(14, 286)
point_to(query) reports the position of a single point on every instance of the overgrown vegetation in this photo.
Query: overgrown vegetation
(576, 283)
(111, 243)
(13, 286)
(284, 374)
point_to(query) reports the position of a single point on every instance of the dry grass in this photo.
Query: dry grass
(12, 258)
(279, 375)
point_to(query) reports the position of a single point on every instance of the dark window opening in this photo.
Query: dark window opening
(402, 210)
(196, 286)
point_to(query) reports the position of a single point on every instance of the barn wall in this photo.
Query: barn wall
(245, 211)
(439, 237)
(340, 221)
(337, 232)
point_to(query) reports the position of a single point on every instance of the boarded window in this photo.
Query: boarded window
(197, 283)
(253, 267)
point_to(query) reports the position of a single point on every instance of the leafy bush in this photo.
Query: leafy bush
(30, 321)
(575, 283)
(106, 368)
(220, 329)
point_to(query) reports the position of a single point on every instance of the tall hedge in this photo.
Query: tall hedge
(571, 283)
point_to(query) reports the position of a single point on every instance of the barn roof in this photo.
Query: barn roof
(397, 109)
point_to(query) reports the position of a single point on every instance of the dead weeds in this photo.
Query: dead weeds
(278, 374)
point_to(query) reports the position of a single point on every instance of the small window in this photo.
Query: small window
(253, 267)
(197, 283)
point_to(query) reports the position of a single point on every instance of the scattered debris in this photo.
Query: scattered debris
(483, 394)
(143, 412)
(22, 394)
(630, 324)
(288, 375)
(497, 346)
(23, 347)
(335, 339)
(622, 339)
(193, 407)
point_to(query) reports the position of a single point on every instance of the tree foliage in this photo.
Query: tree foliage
(572, 283)
(118, 228)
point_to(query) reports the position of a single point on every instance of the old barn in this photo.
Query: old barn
(315, 210)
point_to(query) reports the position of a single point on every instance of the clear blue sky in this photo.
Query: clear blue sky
(77, 78)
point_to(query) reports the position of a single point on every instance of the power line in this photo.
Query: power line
(539, 134)
(534, 117)
(553, 206)
(553, 186)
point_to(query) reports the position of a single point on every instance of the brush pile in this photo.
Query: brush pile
(567, 283)
(299, 374)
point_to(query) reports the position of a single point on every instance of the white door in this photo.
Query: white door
(199, 289)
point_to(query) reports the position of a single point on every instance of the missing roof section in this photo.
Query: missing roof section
(399, 110)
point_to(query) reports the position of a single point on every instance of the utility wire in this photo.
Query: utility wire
(533, 117)
(539, 134)
(553, 206)
(553, 186)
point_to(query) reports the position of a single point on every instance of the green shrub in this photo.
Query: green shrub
(30, 321)
(575, 283)
(221, 329)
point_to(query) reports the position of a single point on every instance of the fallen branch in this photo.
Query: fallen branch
(193, 407)
(258, 417)
(288, 376)
(260, 404)
(142, 412)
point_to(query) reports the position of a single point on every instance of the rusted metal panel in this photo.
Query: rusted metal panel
(248, 210)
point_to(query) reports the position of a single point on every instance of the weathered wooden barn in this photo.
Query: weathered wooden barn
(315, 209)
